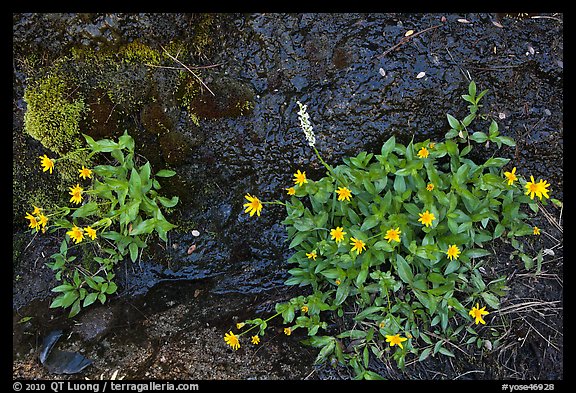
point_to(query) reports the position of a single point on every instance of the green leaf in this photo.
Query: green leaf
(454, 123)
(425, 353)
(342, 293)
(126, 142)
(499, 230)
(383, 245)
(133, 247)
(468, 119)
(476, 252)
(468, 98)
(304, 224)
(479, 137)
(165, 173)
(106, 145)
(367, 312)
(90, 298)
(436, 278)
(399, 184)
(146, 226)
(528, 261)
(403, 269)
(451, 134)
(482, 93)
(371, 375)
(361, 277)
(493, 130)
(24, 319)
(135, 184)
(388, 147)
(491, 300)
(369, 223)
(496, 162)
(507, 140)
(445, 351)
(86, 210)
(412, 209)
(452, 148)
(354, 218)
(69, 297)
(452, 266)
(63, 288)
(472, 89)
(75, 309)
(112, 288)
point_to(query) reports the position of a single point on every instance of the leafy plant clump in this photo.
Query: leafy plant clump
(114, 216)
(398, 241)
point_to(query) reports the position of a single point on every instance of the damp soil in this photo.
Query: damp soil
(174, 306)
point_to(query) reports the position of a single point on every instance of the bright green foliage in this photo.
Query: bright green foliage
(124, 207)
(408, 288)
(52, 117)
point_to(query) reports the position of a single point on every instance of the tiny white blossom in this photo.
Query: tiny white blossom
(305, 124)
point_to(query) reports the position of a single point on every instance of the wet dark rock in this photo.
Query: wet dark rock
(93, 325)
(104, 120)
(231, 98)
(156, 119)
(176, 147)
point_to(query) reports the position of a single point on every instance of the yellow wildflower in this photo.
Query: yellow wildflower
(254, 205)
(255, 340)
(477, 313)
(37, 210)
(540, 188)
(240, 325)
(423, 153)
(393, 234)
(76, 193)
(543, 189)
(47, 163)
(85, 172)
(76, 234)
(287, 331)
(358, 244)
(291, 191)
(511, 176)
(43, 220)
(453, 252)
(90, 232)
(304, 309)
(300, 178)
(395, 340)
(536, 231)
(426, 218)
(232, 340)
(430, 187)
(337, 234)
(343, 194)
(33, 222)
(311, 255)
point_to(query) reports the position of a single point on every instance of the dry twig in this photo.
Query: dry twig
(404, 40)
(188, 69)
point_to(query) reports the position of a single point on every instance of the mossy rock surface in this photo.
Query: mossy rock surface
(53, 115)
(229, 98)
